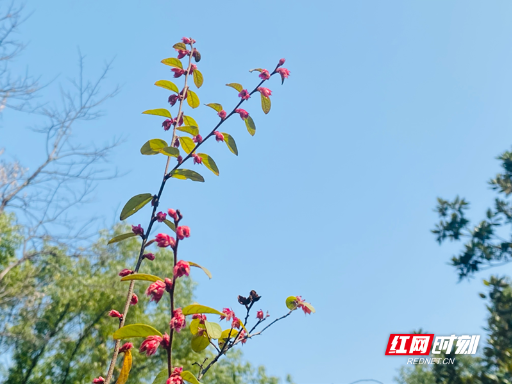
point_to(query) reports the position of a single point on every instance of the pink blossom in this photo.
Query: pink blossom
(300, 304)
(201, 317)
(264, 74)
(114, 313)
(219, 136)
(125, 272)
(163, 240)
(193, 67)
(176, 143)
(150, 256)
(172, 213)
(182, 268)
(281, 62)
(134, 300)
(265, 92)
(244, 94)
(99, 380)
(183, 94)
(167, 124)
(260, 315)
(178, 320)
(160, 216)
(182, 53)
(241, 336)
(168, 284)
(179, 159)
(188, 40)
(178, 72)
(228, 314)
(182, 232)
(197, 159)
(175, 376)
(172, 100)
(222, 114)
(166, 341)
(243, 113)
(236, 322)
(138, 230)
(197, 139)
(156, 290)
(126, 347)
(283, 72)
(150, 345)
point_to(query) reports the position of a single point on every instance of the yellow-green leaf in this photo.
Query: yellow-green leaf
(187, 144)
(215, 106)
(124, 236)
(198, 78)
(194, 325)
(125, 370)
(251, 127)
(236, 86)
(184, 174)
(135, 330)
(153, 147)
(265, 103)
(188, 376)
(158, 112)
(214, 330)
(173, 62)
(167, 85)
(162, 377)
(225, 335)
(199, 343)
(203, 268)
(170, 224)
(180, 46)
(230, 142)
(193, 130)
(197, 308)
(291, 302)
(134, 204)
(187, 120)
(192, 99)
(141, 276)
(170, 151)
(209, 163)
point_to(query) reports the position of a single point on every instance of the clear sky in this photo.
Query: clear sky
(389, 105)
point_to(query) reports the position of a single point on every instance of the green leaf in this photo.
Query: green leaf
(188, 376)
(237, 86)
(193, 130)
(192, 99)
(198, 78)
(158, 112)
(209, 163)
(203, 268)
(153, 147)
(194, 325)
(215, 106)
(170, 151)
(121, 237)
(225, 335)
(214, 330)
(167, 85)
(134, 204)
(181, 46)
(256, 69)
(251, 127)
(173, 62)
(170, 224)
(187, 144)
(265, 103)
(162, 377)
(135, 330)
(197, 308)
(291, 302)
(230, 142)
(184, 174)
(199, 343)
(141, 276)
(187, 120)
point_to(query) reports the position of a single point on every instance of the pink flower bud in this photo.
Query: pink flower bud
(138, 230)
(283, 72)
(175, 376)
(99, 380)
(197, 55)
(134, 300)
(228, 314)
(281, 62)
(168, 284)
(172, 99)
(235, 323)
(167, 124)
(264, 74)
(242, 336)
(197, 139)
(150, 345)
(172, 213)
(219, 136)
(197, 159)
(193, 67)
(125, 272)
(180, 159)
(265, 91)
(178, 320)
(160, 217)
(243, 113)
(176, 143)
(182, 268)
(183, 94)
(126, 347)
(178, 72)
(150, 256)
(156, 291)
(182, 53)
(300, 304)
(166, 341)
(260, 315)
(188, 40)
(201, 317)
(163, 240)
(114, 313)
(244, 94)
(222, 114)
(183, 232)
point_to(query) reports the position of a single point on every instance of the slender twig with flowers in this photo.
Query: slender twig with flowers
(204, 331)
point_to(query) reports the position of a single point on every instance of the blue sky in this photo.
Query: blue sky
(389, 105)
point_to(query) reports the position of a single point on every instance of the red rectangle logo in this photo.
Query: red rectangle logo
(409, 344)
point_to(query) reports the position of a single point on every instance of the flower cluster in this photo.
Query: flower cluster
(178, 321)
(175, 377)
(150, 345)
